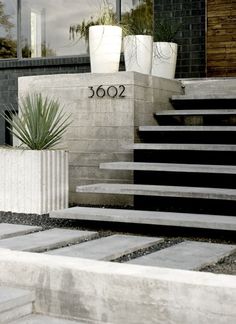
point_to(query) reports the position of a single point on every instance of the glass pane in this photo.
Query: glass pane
(138, 15)
(46, 25)
(8, 30)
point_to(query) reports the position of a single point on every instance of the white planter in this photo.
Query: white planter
(138, 53)
(33, 181)
(164, 59)
(105, 47)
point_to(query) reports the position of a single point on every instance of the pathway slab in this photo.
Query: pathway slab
(188, 255)
(107, 248)
(46, 240)
(10, 230)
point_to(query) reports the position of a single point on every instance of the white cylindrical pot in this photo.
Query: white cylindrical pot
(104, 48)
(164, 59)
(138, 53)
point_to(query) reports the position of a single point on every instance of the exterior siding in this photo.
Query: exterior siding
(221, 38)
(191, 38)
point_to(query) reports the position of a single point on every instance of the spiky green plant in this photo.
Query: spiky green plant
(166, 31)
(40, 124)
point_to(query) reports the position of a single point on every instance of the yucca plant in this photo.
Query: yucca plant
(40, 124)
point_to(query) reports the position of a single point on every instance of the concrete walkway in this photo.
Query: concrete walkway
(189, 255)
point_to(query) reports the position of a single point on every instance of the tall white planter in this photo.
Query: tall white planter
(33, 181)
(138, 53)
(105, 47)
(164, 59)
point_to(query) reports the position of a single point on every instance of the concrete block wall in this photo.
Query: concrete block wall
(103, 129)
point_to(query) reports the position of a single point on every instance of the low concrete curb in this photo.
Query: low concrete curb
(105, 292)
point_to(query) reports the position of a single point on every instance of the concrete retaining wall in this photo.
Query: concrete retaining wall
(103, 128)
(105, 292)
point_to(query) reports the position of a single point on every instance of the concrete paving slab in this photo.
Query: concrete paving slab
(10, 230)
(42, 319)
(188, 255)
(196, 112)
(107, 248)
(46, 240)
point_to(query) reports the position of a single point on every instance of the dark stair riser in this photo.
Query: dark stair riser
(186, 179)
(181, 156)
(186, 205)
(203, 103)
(210, 120)
(197, 137)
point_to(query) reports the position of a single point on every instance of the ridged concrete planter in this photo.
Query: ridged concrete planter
(138, 53)
(33, 181)
(105, 47)
(164, 59)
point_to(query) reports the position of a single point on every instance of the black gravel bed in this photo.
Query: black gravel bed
(170, 235)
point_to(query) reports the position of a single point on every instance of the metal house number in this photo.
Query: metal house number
(111, 91)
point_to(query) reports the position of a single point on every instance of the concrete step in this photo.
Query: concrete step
(10, 230)
(210, 129)
(184, 147)
(188, 134)
(195, 112)
(108, 248)
(43, 319)
(205, 101)
(15, 303)
(169, 167)
(221, 86)
(160, 191)
(227, 223)
(188, 255)
(46, 240)
(185, 153)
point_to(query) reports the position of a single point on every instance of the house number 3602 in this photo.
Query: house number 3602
(111, 91)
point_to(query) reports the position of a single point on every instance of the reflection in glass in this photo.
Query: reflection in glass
(8, 30)
(46, 24)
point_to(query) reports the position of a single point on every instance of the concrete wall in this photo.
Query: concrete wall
(106, 292)
(102, 129)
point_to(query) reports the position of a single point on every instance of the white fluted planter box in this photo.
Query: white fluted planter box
(33, 181)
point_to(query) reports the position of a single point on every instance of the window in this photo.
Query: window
(8, 29)
(45, 25)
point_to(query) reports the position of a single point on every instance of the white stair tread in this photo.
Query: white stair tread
(43, 319)
(10, 230)
(170, 167)
(187, 128)
(196, 112)
(161, 191)
(49, 239)
(148, 217)
(188, 255)
(107, 248)
(183, 147)
(14, 297)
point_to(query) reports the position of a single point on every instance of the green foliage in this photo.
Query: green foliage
(140, 19)
(166, 31)
(8, 48)
(105, 17)
(40, 124)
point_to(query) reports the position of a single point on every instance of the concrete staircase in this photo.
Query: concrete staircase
(15, 303)
(185, 169)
